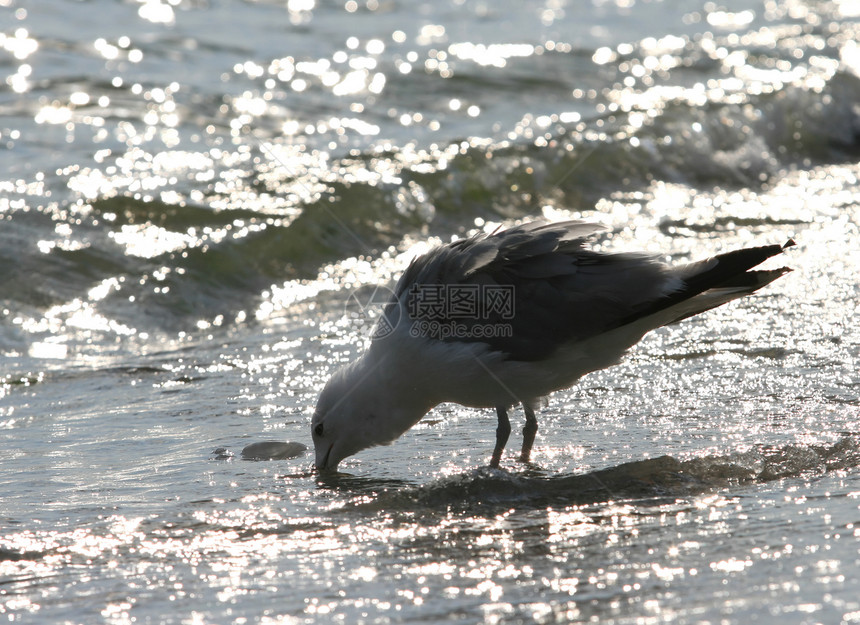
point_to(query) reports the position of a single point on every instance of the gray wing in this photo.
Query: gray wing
(526, 290)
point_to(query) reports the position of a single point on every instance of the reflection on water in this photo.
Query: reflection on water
(189, 194)
(491, 540)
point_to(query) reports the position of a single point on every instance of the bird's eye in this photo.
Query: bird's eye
(318, 430)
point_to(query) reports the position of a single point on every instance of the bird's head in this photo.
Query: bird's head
(357, 409)
(342, 425)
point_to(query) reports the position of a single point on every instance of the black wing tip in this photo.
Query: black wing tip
(788, 244)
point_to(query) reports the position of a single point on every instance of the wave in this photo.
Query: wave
(147, 263)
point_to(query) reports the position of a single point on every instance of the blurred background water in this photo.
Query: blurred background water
(190, 191)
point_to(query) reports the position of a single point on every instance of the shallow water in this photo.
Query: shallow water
(190, 193)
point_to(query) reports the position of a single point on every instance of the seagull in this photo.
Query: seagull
(506, 318)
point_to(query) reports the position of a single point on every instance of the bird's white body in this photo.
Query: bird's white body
(610, 302)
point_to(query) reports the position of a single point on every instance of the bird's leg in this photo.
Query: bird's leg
(502, 433)
(529, 431)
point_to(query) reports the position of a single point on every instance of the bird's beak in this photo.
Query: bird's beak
(322, 462)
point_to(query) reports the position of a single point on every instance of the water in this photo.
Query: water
(189, 194)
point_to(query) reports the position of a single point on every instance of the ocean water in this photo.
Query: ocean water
(193, 195)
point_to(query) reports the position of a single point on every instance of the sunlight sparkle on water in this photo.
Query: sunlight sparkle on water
(149, 241)
(20, 44)
(157, 12)
(54, 114)
(496, 55)
(194, 294)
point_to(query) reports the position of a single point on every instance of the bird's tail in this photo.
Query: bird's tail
(710, 283)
